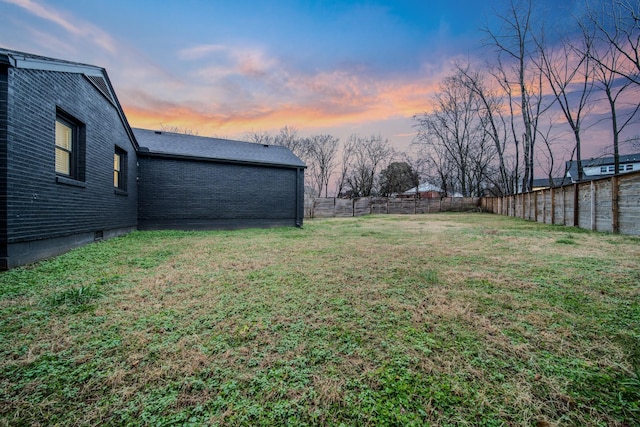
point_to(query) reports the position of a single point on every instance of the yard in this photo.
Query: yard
(444, 319)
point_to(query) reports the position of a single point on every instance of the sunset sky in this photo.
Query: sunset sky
(223, 68)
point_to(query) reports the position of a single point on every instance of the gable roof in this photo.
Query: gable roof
(176, 145)
(97, 76)
(572, 165)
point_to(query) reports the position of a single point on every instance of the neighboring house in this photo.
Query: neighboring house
(424, 191)
(603, 166)
(69, 167)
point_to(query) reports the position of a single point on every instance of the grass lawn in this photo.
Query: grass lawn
(447, 319)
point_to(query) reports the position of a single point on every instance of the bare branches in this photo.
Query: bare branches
(367, 155)
(617, 25)
(455, 133)
(321, 151)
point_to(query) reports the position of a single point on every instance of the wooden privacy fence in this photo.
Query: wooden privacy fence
(334, 207)
(608, 204)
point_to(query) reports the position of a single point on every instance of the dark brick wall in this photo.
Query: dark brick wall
(38, 206)
(3, 164)
(189, 194)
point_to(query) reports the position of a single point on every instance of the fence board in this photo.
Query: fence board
(589, 205)
(334, 207)
(629, 204)
(362, 206)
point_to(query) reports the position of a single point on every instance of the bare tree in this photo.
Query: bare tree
(607, 61)
(567, 70)
(455, 133)
(493, 121)
(514, 40)
(368, 154)
(617, 23)
(178, 129)
(347, 154)
(288, 137)
(258, 137)
(321, 153)
(419, 164)
(549, 166)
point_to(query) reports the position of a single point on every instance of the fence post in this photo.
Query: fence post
(593, 206)
(564, 206)
(615, 215)
(553, 205)
(576, 205)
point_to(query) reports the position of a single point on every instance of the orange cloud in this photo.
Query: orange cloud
(329, 99)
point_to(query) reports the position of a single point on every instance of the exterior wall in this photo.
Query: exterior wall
(197, 194)
(3, 164)
(46, 216)
(596, 171)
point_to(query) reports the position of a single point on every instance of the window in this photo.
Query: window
(603, 169)
(629, 167)
(65, 150)
(120, 169)
(69, 149)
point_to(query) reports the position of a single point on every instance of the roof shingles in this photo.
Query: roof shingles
(199, 147)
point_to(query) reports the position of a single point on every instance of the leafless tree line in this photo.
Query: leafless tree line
(484, 124)
(490, 126)
(354, 166)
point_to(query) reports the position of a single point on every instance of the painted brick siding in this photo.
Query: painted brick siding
(3, 160)
(198, 194)
(38, 206)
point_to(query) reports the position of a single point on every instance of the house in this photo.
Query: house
(603, 166)
(67, 158)
(73, 171)
(425, 190)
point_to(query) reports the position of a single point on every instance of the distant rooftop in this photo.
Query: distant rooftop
(424, 188)
(572, 165)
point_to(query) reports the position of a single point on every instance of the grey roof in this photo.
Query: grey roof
(572, 165)
(29, 60)
(557, 182)
(180, 145)
(424, 188)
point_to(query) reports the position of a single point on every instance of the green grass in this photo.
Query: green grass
(448, 319)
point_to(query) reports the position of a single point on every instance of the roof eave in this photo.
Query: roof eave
(144, 152)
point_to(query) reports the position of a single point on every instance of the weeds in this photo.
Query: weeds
(444, 319)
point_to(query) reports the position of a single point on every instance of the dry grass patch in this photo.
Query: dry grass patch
(383, 320)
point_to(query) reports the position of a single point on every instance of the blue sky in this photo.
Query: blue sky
(223, 68)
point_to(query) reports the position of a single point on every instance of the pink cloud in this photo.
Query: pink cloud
(69, 23)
